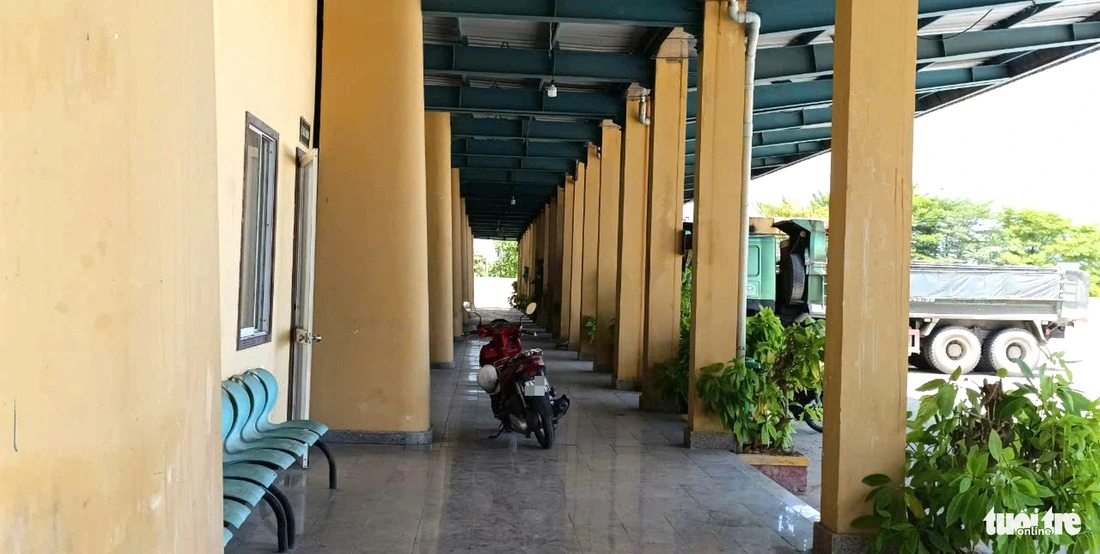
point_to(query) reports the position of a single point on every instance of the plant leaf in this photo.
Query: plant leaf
(995, 446)
(876, 480)
(931, 385)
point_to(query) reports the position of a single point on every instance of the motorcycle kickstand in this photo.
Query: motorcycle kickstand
(498, 433)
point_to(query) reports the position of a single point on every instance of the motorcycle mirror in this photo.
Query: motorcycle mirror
(530, 308)
(466, 305)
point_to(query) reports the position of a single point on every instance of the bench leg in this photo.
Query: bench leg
(331, 464)
(280, 519)
(291, 522)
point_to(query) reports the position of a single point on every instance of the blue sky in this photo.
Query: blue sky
(1032, 143)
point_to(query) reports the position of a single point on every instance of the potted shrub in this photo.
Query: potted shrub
(753, 396)
(1031, 450)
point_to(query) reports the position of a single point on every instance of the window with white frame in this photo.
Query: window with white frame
(261, 148)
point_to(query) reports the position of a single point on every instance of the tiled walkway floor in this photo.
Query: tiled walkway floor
(616, 480)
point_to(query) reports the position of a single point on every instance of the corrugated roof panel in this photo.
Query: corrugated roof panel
(593, 37)
(443, 80)
(440, 30)
(497, 32)
(957, 64)
(1063, 13)
(971, 21)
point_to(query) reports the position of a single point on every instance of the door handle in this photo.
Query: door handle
(301, 336)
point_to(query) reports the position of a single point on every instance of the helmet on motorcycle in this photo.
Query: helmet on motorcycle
(487, 378)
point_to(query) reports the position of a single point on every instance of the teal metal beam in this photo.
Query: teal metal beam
(647, 13)
(817, 59)
(525, 129)
(780, 16)
(557, 165)
(577, 105)
(512, 177)
(519, 149)
(562, 66)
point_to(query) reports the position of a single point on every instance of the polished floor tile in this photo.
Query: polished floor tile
(616, 480)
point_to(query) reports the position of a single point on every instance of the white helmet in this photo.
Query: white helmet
(487, 378)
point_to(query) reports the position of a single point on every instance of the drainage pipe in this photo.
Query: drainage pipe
(751, 21)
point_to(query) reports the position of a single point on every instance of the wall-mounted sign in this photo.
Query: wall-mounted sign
(303, 131)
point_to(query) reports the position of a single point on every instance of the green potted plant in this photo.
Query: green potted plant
(753, 396)
(1032, 450)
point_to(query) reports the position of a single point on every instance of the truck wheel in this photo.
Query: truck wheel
(951, 348)
(1005, 347)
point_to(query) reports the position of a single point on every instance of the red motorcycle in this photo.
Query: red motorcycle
(522, 398)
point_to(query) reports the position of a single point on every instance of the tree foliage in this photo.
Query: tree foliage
(966, 231)
(506, 263)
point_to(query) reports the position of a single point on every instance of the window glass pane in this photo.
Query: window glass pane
(257, 236)
(754, 261)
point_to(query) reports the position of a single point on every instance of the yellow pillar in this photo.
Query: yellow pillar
(458, 266)
(370, 384)
(437, 129)
(471, 277)
(567, 259)
(576, 336)
(590, 288)
(630, 336)
(868, 302)
(719, 192)
(665, 213)
(607, 265)
(109, 272)
(559, 257)
(549, 276)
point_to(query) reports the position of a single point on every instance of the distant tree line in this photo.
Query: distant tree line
(506, 263)
(966, 231)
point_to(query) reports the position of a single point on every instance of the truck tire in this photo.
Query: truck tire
(1005, 347)
(792, 279)
(951, 348)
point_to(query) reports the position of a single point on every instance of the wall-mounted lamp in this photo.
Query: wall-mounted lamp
(552, 90)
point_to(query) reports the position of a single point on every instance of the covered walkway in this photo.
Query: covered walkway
(617, 480)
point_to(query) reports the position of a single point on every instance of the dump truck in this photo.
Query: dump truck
(960, 315)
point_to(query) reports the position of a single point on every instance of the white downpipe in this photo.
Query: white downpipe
(751, 21)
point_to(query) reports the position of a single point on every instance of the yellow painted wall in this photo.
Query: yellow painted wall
(108, 287)
(265, 65)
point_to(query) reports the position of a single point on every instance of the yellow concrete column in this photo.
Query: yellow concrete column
(590, 286)
(467, 257)
(576, 336)
(630, 333)
(559, 257)
(109, 272)
(437, 130)
(549, 277)
(868, 301)
(566, 299)
(471, 277)
(607, 265)
(665, 213)
(719, 192)
(458, 264)
(370, 376)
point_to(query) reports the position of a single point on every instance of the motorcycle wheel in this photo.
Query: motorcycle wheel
(544, 431)
(815, 425)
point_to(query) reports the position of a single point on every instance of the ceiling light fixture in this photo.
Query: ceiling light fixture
(513, 201)
(552, 90)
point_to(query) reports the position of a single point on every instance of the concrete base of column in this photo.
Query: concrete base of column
(707, 440)
(628, 384)
(379, 437)
(828, 542)
(442, 365)
(602, 368)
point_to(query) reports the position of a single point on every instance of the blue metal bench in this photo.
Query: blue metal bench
(263, 389)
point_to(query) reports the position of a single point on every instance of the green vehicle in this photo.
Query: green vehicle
(960, 315)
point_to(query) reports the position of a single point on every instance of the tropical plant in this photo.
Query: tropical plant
(753, 396)
(1033, 449)
(672, 375)
(590, 328)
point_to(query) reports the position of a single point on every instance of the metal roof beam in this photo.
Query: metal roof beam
(817, 60)
(650, 13)
(505, 177)
(519, 149)
(533, 103)
(780, 16)
(530, 130)
(560, 166)
(563, 66)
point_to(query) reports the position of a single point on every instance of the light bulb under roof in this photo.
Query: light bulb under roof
(552, 91)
